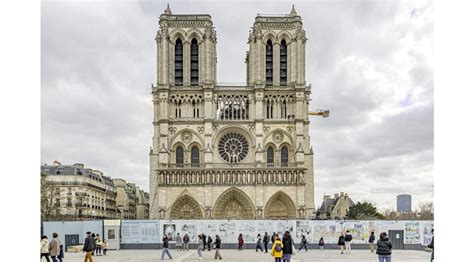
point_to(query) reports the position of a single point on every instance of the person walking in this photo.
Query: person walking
(277, 248)
(347, 240)
(384, 248)
(45, 248)
(185, 242)
(200, 245)
(166, 246)
(89, 246)
(259, 243)
(287, 246)
(266, 239)
(61, 251)
(431, 245)
(217, 247)
(98, 245)
(93, 238)
(104, 247)
(371, 241)
(321, 244)
(179, 242)
(54, 249)
(241, 242)
(204, 241)
(341, 242)
(303, 244)
(209, 243)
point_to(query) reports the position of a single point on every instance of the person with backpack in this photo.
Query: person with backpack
(89, 246)
(44, 248)
(98, 245)
(217, 247)
(241, 242)
(371, 241)
(341, 242)
(166, 246)
(384, 248)
(185, 242)
(277, 248)
(209, 243)
(321, 244)
(347, 240)
(288, 244)
(266, 239)
(303, 244)
(259, 243)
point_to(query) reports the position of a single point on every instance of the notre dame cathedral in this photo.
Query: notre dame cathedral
(231, 151)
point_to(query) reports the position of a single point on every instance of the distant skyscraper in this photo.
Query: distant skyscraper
(404, 203)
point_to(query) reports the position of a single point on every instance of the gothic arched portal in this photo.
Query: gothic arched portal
(234, 204)
(280, 206)
(186, 207)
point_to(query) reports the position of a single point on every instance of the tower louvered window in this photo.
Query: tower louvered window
(178, 63)
(269, 63)
(283, 63)
(194, 62)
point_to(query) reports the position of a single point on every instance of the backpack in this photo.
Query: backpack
(349, 237)
(278, 247)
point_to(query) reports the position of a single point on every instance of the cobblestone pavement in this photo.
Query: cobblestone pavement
(250, 256)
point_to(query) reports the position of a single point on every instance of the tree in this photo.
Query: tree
(48, 207)
(364, 211)
(426, 211)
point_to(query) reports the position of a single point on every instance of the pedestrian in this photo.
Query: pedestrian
(259, 243)
(209, 243)
(61, 251)
(54, 249)
(266, 239)
(277, 248)
(93, 238)
(179, 242)
(185, 242)
(45, 248)
(217, 247)
(200, 245)
(241, 242)
(288, 248)
(384, 248)
(431, 245)
(89, 246)
(104, 247)
(321, 244)
(303, 244)
(98, 245)
(166, 246)
(347, 240)
(371, 241)
(341, 243)
(204, 241)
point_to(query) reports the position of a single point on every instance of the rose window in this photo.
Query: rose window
(233, 147)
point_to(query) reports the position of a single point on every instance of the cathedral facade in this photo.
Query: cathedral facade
(231, 151)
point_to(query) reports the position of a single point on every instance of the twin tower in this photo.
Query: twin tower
(231, 151)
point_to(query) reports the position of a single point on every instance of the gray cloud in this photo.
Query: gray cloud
(369, 62)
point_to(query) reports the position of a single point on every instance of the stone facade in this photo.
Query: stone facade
(335, 208)
(231, 151)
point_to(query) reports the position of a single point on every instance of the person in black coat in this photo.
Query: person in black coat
(204, 241)
(209, 243)
(384, 248)
(217, 247)
(266, 239)
(431, 245)
(341, 242)
(371, 241)
(287, 242)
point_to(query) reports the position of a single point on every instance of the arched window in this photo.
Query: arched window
(178, 63)
(179, 157)
(194, 62)
(269, 62)
(270, 158)
(284, 156)
(283, 63)
(195, 156)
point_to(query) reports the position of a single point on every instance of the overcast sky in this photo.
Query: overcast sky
(369, 63)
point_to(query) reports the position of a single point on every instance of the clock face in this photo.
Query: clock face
(233, 147)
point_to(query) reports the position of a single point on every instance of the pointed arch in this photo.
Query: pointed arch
(280, 206)
(233, 204)
(186, 207)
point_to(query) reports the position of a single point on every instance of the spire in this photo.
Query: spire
(168, 9)
(293, 11)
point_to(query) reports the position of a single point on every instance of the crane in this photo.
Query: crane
(319, 112)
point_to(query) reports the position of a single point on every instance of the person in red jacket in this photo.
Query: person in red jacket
(241, 242)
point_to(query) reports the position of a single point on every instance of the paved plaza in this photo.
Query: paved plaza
(250, 255)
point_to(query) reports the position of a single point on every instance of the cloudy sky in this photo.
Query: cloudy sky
(369, 63)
